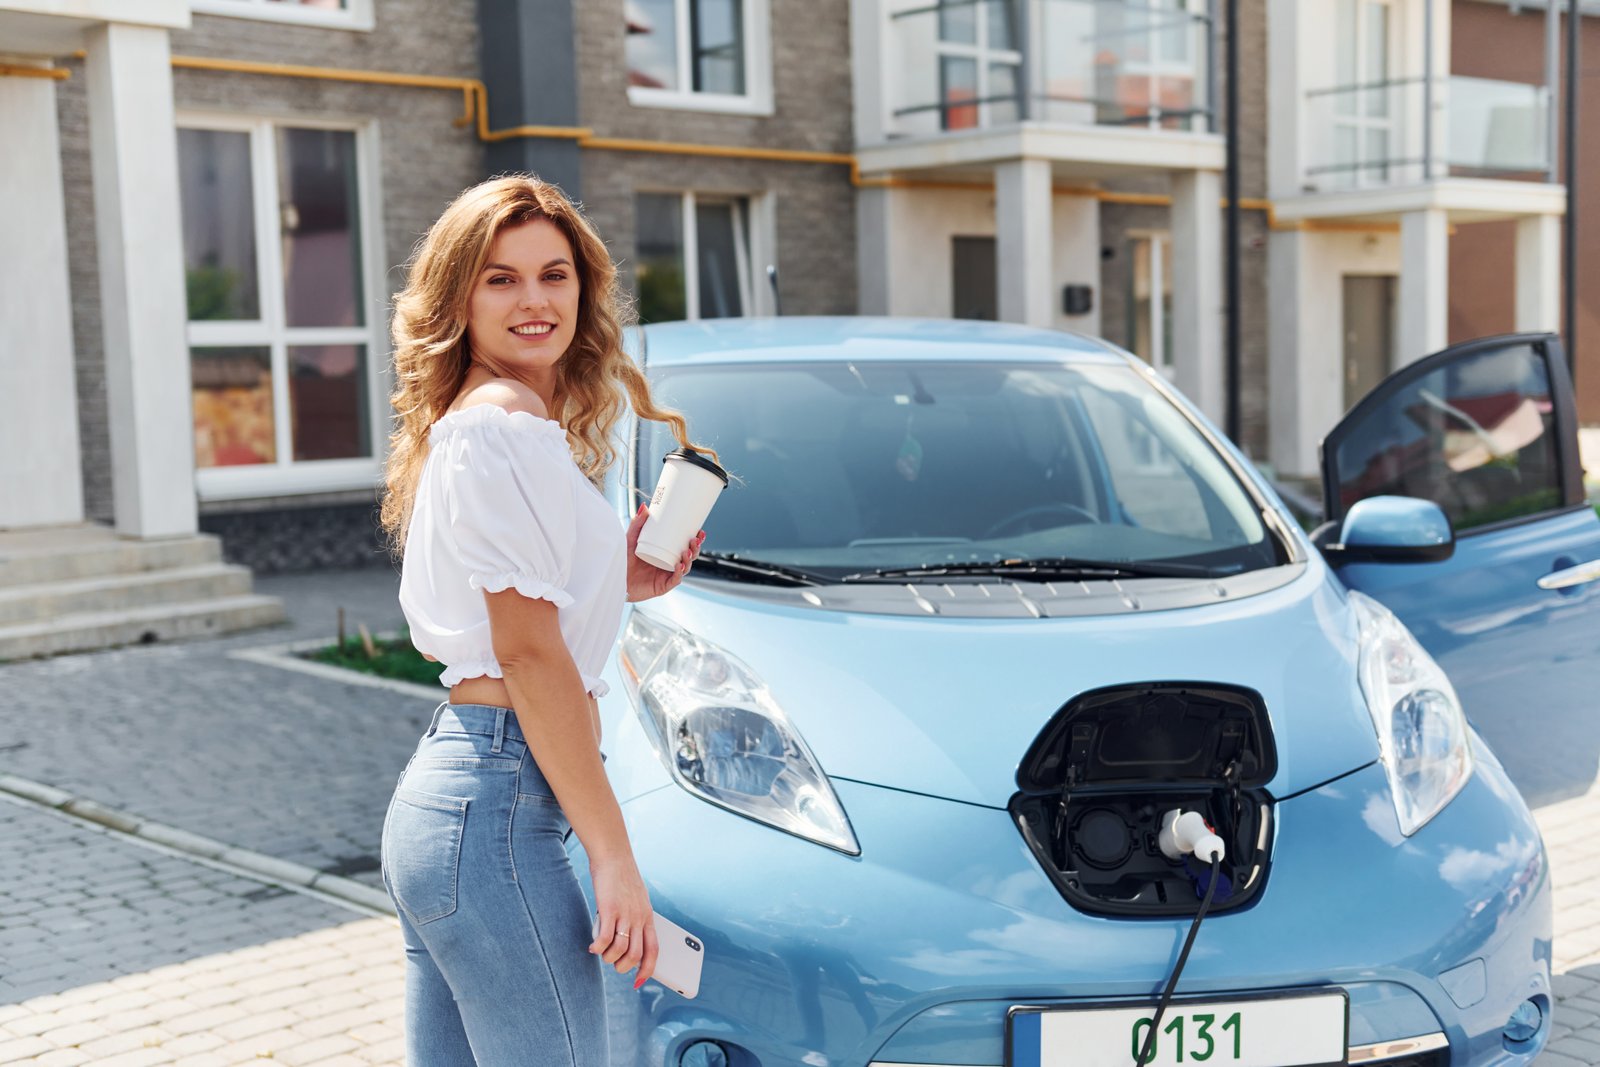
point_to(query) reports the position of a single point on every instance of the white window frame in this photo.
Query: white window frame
(1362, 176)
(286, 476)
(757, 97)
(357, 14)
(756, 217)
(1160, 242)
(983, 56)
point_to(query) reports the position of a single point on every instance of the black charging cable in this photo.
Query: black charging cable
(1177, 971)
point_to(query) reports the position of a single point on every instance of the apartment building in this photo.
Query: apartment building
(218, 194)
(1379, 150)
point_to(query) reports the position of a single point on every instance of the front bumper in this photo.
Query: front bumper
(913, 951)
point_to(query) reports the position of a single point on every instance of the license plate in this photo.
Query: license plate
(1288, 1030)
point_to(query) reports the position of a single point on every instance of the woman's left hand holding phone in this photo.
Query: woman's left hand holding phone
(625, 929)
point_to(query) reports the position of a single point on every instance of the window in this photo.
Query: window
(1363, 115)
(1475, 435)
(694, 257)
(279, 264)
(339, 14)
(979, 63)
(709, 55)
(1149, 316)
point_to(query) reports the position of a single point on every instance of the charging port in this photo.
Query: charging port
(1100, 779)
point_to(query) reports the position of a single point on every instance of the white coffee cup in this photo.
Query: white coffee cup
(689, 485)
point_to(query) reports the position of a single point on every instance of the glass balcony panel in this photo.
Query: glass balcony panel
(1497, 126)
(1366, 135)
(1002, 93)
(1174, 43)
(958, 21)
(1376, 58)
(958, 64)
(1001, 16)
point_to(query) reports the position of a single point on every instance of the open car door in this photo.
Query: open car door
(1488, 431)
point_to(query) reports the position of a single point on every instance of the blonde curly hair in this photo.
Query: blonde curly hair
(431, 351)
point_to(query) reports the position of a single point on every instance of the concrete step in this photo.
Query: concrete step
(83, 631)
(64, 553)
(41, 601)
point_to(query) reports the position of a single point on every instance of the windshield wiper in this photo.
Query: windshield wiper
(1044, 568)
(730, 563)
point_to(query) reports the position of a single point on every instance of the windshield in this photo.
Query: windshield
(842, 468)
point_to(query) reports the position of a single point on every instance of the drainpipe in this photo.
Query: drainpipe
(1569, 251)
(1026, 74)
(1427, 90)
(1552, 82)
(1231, 229)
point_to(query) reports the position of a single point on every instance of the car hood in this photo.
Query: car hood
(948, 706)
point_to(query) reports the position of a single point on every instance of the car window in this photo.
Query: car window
(839, 467)
(1475, 436)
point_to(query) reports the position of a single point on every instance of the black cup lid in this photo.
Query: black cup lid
(699, 460)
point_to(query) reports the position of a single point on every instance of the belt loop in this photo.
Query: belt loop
(499, 730)
(438, 711)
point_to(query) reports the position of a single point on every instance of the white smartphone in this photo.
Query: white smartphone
(679, 958)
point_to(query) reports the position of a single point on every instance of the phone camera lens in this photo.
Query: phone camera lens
(692, 943)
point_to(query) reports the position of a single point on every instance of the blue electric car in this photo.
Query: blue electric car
(985, 608)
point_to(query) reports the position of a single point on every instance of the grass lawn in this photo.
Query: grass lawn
(393, 659)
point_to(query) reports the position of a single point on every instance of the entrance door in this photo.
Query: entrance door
(975, 286)
(1488, 431)
(1369, 328)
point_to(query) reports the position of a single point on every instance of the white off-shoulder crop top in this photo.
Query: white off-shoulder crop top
(501, 503)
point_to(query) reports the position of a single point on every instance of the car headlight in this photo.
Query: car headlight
(724, 738)
(1421, 729)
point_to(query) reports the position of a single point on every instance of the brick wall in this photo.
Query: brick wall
(425, 160)
(815, 203)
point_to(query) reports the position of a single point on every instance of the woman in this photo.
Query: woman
(507, 355)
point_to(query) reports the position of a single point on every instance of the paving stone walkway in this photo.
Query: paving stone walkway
(119, 953)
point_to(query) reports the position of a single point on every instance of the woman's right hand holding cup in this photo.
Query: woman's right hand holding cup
(625, 929)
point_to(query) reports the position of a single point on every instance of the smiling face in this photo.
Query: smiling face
(523, 311)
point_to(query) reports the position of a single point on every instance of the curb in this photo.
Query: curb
(285, 657)
(245, 862)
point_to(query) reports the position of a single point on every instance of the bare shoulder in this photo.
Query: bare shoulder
(504, 393)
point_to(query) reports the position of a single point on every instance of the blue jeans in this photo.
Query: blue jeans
(497, 931)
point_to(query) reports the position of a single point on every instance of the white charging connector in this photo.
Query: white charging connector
(1183, 832)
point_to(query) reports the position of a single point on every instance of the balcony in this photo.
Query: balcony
(1406, 131)
(1116, 85)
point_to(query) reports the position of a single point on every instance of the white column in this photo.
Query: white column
(139, 236)
(872, 251)
(1022, 241)
(1077, 259)
(1539, 273)
(1424, 285)
(1305, 346)
(1197, 290)
(41, 482)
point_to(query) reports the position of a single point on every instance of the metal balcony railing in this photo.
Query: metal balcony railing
(1407, 130)
(978, 64)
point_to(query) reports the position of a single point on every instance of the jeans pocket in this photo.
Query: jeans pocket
(421, 852)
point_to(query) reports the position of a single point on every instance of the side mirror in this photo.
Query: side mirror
(1393, 529)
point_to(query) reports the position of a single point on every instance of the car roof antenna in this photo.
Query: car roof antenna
(772, 280)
